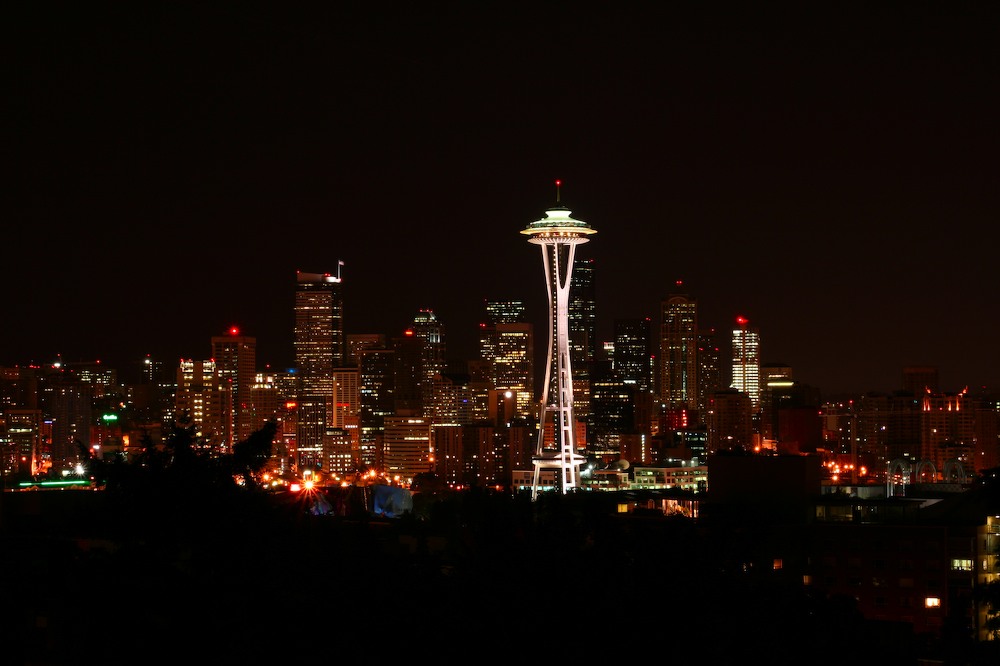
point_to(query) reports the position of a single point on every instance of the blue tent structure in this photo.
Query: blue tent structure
(390, 501)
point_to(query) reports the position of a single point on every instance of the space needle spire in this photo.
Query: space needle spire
(558, 234)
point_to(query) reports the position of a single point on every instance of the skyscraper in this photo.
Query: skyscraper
(633, 354)
(235, 358)
(582, 315)
(319, 349)
(557, 235)
(506, 342)
(429, 330)
(746, 361)
(678, 366)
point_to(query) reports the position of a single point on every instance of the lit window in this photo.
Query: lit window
(961, 565)
(777, 563)
(932, 602)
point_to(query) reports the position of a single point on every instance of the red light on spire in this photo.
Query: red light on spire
(741, 320)
(234, 330)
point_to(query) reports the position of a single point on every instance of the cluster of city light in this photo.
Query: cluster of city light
(836, 469)
(312, 479)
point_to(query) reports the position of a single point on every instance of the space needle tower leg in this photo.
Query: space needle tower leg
(558, 234)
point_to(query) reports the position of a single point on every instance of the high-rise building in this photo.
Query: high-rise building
(200, 402)
(407, 447)
(633, 353)
(431, 333)
(746, 361)
(710, 375)
(235, 358)
(67, 400)
(506, 342)
(582, 315)
(376, 401)
(612, 412)
(678, 360)
(557, 235)
(730, 422)
(319, 349)
(358, 342)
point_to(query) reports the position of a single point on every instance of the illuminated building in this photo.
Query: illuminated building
(319, 349)
(358, 342)
(376, 401)
(66, 398)
(612, 412)
(730, 421)
(22, 442)
(557, 235)
(235, 358)
(678, 360)
(406, 447)
(582, 322)
(200, 402)
(431, 334)
(746, 361)
(632, 356)
(948, 435)
(506, 343)
(709, 369)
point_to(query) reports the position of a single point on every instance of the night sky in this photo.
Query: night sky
(828, 170)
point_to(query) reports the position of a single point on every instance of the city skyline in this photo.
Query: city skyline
(826, 173)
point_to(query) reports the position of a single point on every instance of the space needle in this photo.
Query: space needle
(558, 234)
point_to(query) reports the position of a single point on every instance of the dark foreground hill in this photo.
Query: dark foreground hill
(232, 577)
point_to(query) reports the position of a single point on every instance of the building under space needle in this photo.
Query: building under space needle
(558, 234)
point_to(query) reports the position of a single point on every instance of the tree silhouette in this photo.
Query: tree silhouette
(250, 456)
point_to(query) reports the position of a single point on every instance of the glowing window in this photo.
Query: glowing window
(932, 602)
(961, 565)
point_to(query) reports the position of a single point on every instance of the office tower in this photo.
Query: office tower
(730, 422)
(612, 412)
(235, 358)
(200, 402)
(408, 374)
(376, 401)
(557, 235)
(710, 376)
(746, 361)
(319, 349)
(346, 406)
(504, 312)
(358, 342)
(633, 356)
(582, 315)
(678, 371)
(455, 398)
(507, 344)
(775, 381)
(22, 443)
(407, 447)
(948, 435)
(431, 333)
(67, 400)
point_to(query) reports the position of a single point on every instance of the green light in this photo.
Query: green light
(110, 417)
(73, 482)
